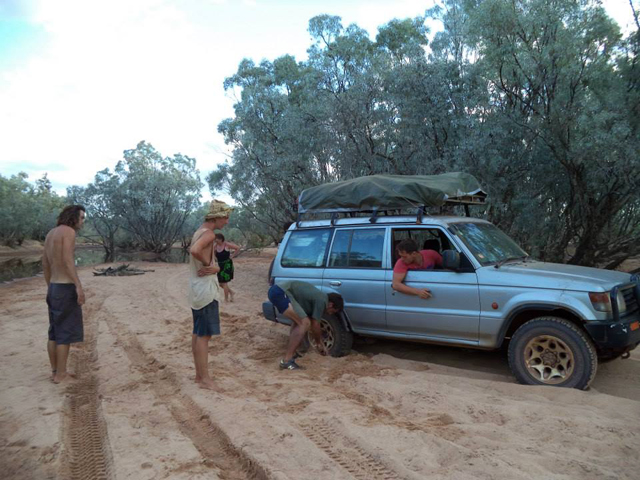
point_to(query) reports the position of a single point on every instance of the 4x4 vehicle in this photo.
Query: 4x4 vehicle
(560, 320)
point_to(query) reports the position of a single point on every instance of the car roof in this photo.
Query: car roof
(429, 220)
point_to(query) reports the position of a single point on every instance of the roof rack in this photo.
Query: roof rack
(376, 213)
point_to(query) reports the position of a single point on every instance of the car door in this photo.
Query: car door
(355, 271)
(452, 314)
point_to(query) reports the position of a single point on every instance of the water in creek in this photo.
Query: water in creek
(12, 268)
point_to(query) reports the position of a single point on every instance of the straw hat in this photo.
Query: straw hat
(218, 209)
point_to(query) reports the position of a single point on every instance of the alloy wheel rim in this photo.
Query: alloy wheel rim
(327, 335)
(549, 360)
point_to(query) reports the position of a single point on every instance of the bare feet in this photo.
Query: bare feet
(231, 297)
(70, 374)
(206, 383)
(63, 377)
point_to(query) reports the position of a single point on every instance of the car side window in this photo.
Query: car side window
(425, 238)
(306, 248)
(358, 248)
(339, 256)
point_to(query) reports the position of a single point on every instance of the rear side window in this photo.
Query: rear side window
(357, 248)
(306, 248)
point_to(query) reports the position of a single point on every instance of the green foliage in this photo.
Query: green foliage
(27, 211)
(145, 203)
(155, 195)
(538, 99)
(102, 216)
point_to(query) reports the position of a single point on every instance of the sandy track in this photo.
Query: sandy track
(86, 450)
(390, 410)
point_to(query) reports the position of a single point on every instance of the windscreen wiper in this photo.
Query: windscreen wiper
(511, 259)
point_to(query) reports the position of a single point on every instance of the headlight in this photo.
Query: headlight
(601, 301)
(622, 305)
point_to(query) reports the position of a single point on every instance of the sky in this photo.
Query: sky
(83, 80)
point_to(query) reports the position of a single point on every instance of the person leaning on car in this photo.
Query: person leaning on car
(413, 259)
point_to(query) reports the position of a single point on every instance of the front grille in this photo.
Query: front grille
(630, 299)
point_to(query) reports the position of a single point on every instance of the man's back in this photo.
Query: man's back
(58, 250)
(311, 300)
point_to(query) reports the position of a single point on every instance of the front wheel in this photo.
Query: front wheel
(336, 338)
(552, 351)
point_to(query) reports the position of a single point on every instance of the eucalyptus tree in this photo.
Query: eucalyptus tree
(155, 195)
(99, 200)
(299, 124)
(538, 99)
(27, 211)
(564, 109)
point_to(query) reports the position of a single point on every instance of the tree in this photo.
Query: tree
(538, 99)
(27, 211)
(155, 195)
(99, 200)
(565, 110)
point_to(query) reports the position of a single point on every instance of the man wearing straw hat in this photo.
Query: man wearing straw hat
(204, 291)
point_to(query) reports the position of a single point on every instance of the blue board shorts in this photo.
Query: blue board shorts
(65, 315)
(206, 321)
(278, 298)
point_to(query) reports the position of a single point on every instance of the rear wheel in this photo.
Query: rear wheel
(336, 338)
(552, 351)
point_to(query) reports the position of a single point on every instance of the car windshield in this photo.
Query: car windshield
(488, 243)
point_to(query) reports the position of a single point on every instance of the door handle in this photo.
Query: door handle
(335, 283)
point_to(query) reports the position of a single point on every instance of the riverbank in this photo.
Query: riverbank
(387, 410)
(28, 248)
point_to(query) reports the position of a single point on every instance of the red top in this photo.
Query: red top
(430, 258)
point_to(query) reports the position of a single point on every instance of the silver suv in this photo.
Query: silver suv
(560, 320)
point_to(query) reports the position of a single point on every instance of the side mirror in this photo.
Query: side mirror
(450, 260)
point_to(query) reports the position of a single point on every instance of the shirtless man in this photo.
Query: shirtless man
(65, 296)
(204, 290)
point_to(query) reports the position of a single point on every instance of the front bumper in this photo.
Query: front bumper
(621, 336)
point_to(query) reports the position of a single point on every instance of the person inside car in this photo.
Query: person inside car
(413, 259)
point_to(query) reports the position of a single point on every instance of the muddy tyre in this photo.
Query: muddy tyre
(552, 351)
(337, 339)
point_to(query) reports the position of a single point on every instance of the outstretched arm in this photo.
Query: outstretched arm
(398, 285)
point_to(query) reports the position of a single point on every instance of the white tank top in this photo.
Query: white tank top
(202, 290)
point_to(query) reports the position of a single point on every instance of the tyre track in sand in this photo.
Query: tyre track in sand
(346, 452)
(86, 453)
(217, 450)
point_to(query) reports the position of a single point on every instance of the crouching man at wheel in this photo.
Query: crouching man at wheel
(304, 305)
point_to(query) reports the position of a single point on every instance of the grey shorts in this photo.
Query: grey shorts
(206, 321)
(65, 315)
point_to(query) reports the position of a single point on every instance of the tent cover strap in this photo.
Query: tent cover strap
(390, 192)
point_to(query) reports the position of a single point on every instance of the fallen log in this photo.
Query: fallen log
(123, 270)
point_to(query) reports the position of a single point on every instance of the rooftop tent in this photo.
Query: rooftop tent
(390, 192)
